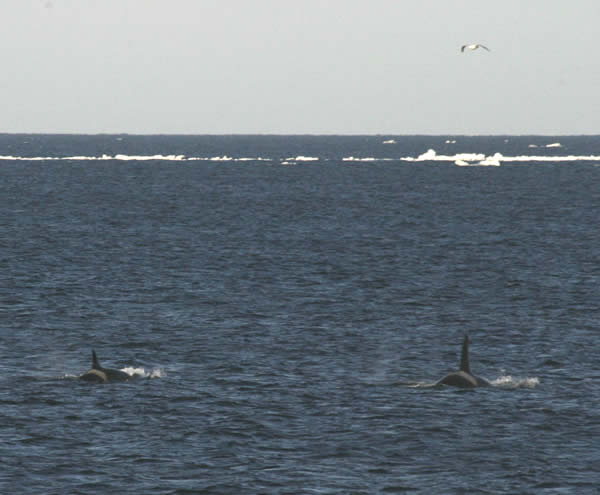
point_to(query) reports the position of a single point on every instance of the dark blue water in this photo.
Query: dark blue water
(278, 312)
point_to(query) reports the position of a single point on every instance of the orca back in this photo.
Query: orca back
(98, 374)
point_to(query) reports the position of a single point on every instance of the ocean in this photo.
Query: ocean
(285, 300)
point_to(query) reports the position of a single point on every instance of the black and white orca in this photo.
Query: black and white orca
(98, 374)
(464, 378)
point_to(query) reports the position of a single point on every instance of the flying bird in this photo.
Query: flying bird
(474, 46)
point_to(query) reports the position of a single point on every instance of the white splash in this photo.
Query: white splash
(390, 141)
(142, 373)
(507, 381)
(554, 145)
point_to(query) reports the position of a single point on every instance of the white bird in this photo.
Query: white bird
(474, 46)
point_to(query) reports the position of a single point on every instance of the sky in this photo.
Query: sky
(300, 67)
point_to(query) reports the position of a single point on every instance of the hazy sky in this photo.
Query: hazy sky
(300, 66)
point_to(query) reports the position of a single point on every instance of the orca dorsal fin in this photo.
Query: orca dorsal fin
(95, 363)
(464, 356)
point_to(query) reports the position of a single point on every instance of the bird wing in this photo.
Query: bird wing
(485, 47)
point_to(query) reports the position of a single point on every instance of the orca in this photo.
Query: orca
(98, 374)
(464, 378)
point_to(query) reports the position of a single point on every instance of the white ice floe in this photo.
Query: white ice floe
(428, 155)
(303, 159)
(496, 159)
(368, 159)
(490, 161)
(460, 159)
(103, 157)
(431, 155)
(259, 159)
(226, 158)
(538, 158)
(493, 160)
(148, 157)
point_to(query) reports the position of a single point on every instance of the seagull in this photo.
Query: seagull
(474, 46)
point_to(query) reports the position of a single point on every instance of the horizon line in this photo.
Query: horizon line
(378, 134)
